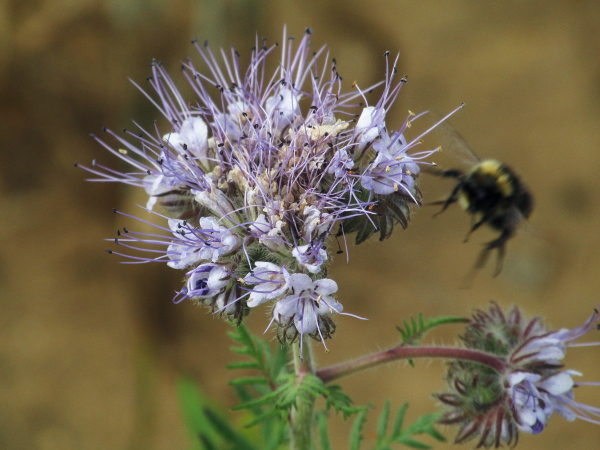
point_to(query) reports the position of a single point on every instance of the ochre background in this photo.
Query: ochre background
(90, 349)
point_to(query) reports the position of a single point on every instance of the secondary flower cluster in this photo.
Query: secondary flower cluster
(257, 175)
(493, 406)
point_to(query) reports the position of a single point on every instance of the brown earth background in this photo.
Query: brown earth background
(90, 350)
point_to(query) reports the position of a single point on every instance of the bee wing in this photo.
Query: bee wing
(459, 152)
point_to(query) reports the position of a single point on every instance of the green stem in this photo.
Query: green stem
(302, 417)
(404, 352)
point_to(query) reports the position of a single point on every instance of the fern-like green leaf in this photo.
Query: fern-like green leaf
(416, 329)
(228, 433)
(399, 420)
(323, 433)
(423, 425)
(248, 380)
(356, 435)
(383, 423)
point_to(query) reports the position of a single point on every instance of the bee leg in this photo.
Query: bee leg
(500, 245)
(450, 173)
(485, 218)
(452, 199)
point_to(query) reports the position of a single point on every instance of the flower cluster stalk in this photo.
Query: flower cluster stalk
(329, 374)
(302, 416)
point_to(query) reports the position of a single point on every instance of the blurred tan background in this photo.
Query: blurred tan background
(90, 349)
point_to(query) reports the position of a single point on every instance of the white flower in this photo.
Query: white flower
(270, 281)
(309, 300)
(308, 258)
(192, 138)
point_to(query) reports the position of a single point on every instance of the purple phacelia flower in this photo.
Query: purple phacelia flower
(270, 282)
(258, 171)
(308, 308)
(493, 406)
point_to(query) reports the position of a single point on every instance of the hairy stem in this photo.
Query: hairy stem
(302, 417)
(403, 352)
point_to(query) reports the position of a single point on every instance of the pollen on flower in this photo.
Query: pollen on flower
(257, 176)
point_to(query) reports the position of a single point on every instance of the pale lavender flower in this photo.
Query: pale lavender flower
(270, 280)
(308, 308)
(309, 257)
(206, 281)
(493, 407)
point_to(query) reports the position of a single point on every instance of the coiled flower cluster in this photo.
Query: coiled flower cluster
(493, 406)
(259, 172)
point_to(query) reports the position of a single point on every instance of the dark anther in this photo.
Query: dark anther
(330, 145)
(395, 70)
(325, 134)
(205, 43)
(76, 164)
(308, 31)
(237, 54)
(244, 114)
(116, 241)
(104, 129)
(194, 41)
(221, 144)
(118, 232)
(185, 146)
(404, 79)
(313, 107)
(386, 54)
(109, 251)
(115, 210)
(125, 230)
(148, 172)
(283, 83)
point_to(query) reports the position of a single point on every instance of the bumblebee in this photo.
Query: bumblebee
(493, 194)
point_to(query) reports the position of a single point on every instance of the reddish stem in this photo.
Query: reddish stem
(404, 352)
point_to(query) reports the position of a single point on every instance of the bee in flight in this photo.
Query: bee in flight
(490, 191)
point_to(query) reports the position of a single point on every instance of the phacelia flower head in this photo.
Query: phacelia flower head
(493, 406)
(257, 172)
